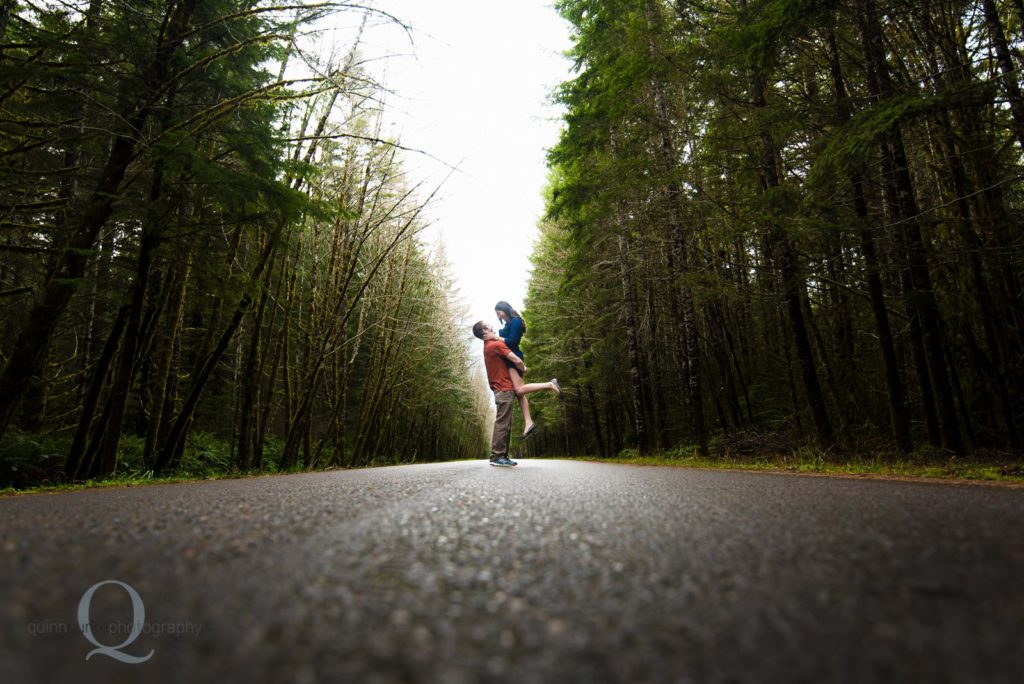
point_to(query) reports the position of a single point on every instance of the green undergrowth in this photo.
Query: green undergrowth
(121, 480)
(35, 464)
(999, 468)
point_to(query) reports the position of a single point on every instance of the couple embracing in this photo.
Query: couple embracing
(505, 372)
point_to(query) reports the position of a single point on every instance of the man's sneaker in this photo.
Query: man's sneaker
(503, 462)
(512, 462)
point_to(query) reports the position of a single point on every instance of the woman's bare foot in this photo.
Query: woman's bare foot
(556, 386)
(529, 429)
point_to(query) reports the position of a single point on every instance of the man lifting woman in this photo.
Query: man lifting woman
(503, 360)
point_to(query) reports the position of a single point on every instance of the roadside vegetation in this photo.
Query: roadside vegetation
(994, 468)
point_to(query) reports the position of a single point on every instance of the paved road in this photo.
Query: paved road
(554, 571)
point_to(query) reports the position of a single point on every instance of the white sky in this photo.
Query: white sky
(472, 89)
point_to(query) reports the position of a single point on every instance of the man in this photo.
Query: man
(497, 358)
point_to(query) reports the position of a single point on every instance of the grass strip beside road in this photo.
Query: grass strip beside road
(1004, 472)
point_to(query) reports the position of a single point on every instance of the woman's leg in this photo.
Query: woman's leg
(524, 405)
(533, 386)
(523, 389)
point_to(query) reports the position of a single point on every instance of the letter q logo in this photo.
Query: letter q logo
(138, 620)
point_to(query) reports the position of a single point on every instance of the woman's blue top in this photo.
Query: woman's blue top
(512, 333)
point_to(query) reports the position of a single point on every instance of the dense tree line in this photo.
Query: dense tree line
(203, 233)
(789, 219)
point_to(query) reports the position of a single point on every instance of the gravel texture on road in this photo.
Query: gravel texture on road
(553, 571)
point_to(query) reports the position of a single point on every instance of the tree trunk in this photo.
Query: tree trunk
(252, 367)
(120, 390)
(636, 383)
(792, 284)
(899, 415)
(33, 406)
(161, 390)
(175, 441)
(926, 305)
(973, 247)
(1008, 71)
(920, 295)
(584, 347)
(33, 341)
(6, 8)
(73, 464)
(682, 295)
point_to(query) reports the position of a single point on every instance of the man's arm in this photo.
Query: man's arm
(517, 362)
(511, 334)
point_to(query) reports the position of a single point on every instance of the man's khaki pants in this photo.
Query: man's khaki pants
(503, 402)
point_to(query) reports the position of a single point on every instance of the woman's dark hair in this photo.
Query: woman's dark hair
(509, 311)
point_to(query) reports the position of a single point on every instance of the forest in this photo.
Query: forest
(210, 255)
(770, 226)
(776, 225)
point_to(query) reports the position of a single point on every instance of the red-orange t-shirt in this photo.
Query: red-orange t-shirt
(496, 361)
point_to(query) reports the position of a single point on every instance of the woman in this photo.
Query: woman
(511, 334)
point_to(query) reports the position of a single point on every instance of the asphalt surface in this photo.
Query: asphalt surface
(554, 571)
